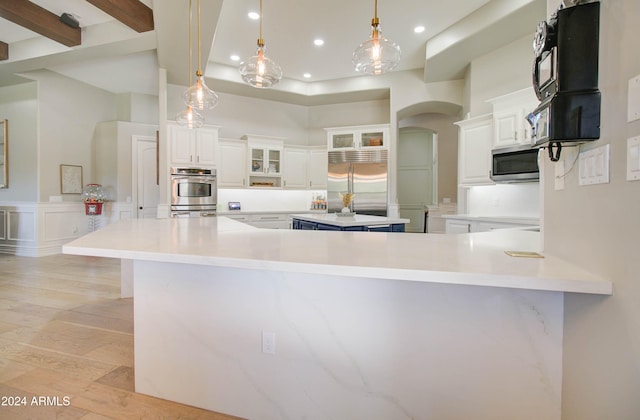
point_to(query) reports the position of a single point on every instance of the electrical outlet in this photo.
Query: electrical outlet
(268, 342)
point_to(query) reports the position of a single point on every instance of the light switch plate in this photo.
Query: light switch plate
(594, 166)
(633, 99)
(633, 159)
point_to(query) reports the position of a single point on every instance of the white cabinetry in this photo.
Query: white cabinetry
(265, 162)
(193, 146)
(232, 166)
(317, 168)
(270, 221)
(457, 226)
(474, 151)
(509, 111)
(358, 137)
(305, 168)
(484, 224)
(294, 168)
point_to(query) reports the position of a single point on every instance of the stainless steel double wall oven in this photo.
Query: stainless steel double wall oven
(193, 190)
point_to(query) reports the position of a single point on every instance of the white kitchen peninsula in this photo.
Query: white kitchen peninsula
(367, 325)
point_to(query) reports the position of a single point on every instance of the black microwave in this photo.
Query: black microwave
(514, 164)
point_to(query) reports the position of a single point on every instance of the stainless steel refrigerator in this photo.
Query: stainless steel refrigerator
(362, 173)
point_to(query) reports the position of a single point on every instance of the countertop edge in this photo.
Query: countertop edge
(423, 276)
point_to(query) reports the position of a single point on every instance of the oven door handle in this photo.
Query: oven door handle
(193, 178)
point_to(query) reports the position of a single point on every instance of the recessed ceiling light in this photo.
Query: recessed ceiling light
(318, 42)
(307, 75)
(254, 15)
(418, 29)
(235, 57)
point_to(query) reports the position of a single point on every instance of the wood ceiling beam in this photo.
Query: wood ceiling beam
(136, 15)
(40, 20)
(4, 51)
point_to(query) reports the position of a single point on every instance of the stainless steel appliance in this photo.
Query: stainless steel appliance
(194, 191)
(362, 173)
(514, 164)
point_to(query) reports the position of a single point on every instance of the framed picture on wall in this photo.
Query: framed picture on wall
(70, 179)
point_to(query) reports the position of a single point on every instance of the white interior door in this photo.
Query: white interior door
(147, 191)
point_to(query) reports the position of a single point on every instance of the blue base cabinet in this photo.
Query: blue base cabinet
(307, 225)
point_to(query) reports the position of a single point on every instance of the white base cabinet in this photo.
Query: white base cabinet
(485, 224)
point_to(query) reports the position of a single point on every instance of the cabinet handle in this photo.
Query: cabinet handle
(515, 135)
(285, 183)
(190, 158)
(243, 182)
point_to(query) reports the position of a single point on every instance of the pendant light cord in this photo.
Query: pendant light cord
(260, 40)
(198, 72)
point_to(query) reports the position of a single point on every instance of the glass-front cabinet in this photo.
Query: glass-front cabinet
(357, 137)
(265, 162)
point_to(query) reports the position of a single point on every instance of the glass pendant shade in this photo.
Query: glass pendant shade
(260, 71)
(190, 118)
(376, 55)
(199, 96)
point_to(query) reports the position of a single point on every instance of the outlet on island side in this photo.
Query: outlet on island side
(268, 342)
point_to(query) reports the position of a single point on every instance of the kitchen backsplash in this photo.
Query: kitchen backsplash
(267, 200)
(520, 200)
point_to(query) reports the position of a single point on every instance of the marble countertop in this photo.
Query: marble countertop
(355, 220)
(470, 259)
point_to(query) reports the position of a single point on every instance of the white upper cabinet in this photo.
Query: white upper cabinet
(357, 137)
(317, 168)
(510, 127)
(474, 150)
(232, 166)
(193, 146)
(265, 160)
(295, 167)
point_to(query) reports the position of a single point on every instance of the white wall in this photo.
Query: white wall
(19, 105)
(113, 156)
(502, 71)
(239, 115)
(68, 113)
(344, 114)
(598, 228)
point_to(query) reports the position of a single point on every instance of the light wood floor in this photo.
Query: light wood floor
(66, 334)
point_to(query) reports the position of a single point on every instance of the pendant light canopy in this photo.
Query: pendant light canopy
(199, 96)
(376, 55)
(189, 117)
(260, 71)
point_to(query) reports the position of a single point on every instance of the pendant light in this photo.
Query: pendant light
(376, 55)
(190, 117)
(260, 71)
(199, 96)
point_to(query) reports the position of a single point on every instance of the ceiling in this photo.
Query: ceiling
(116, 58)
